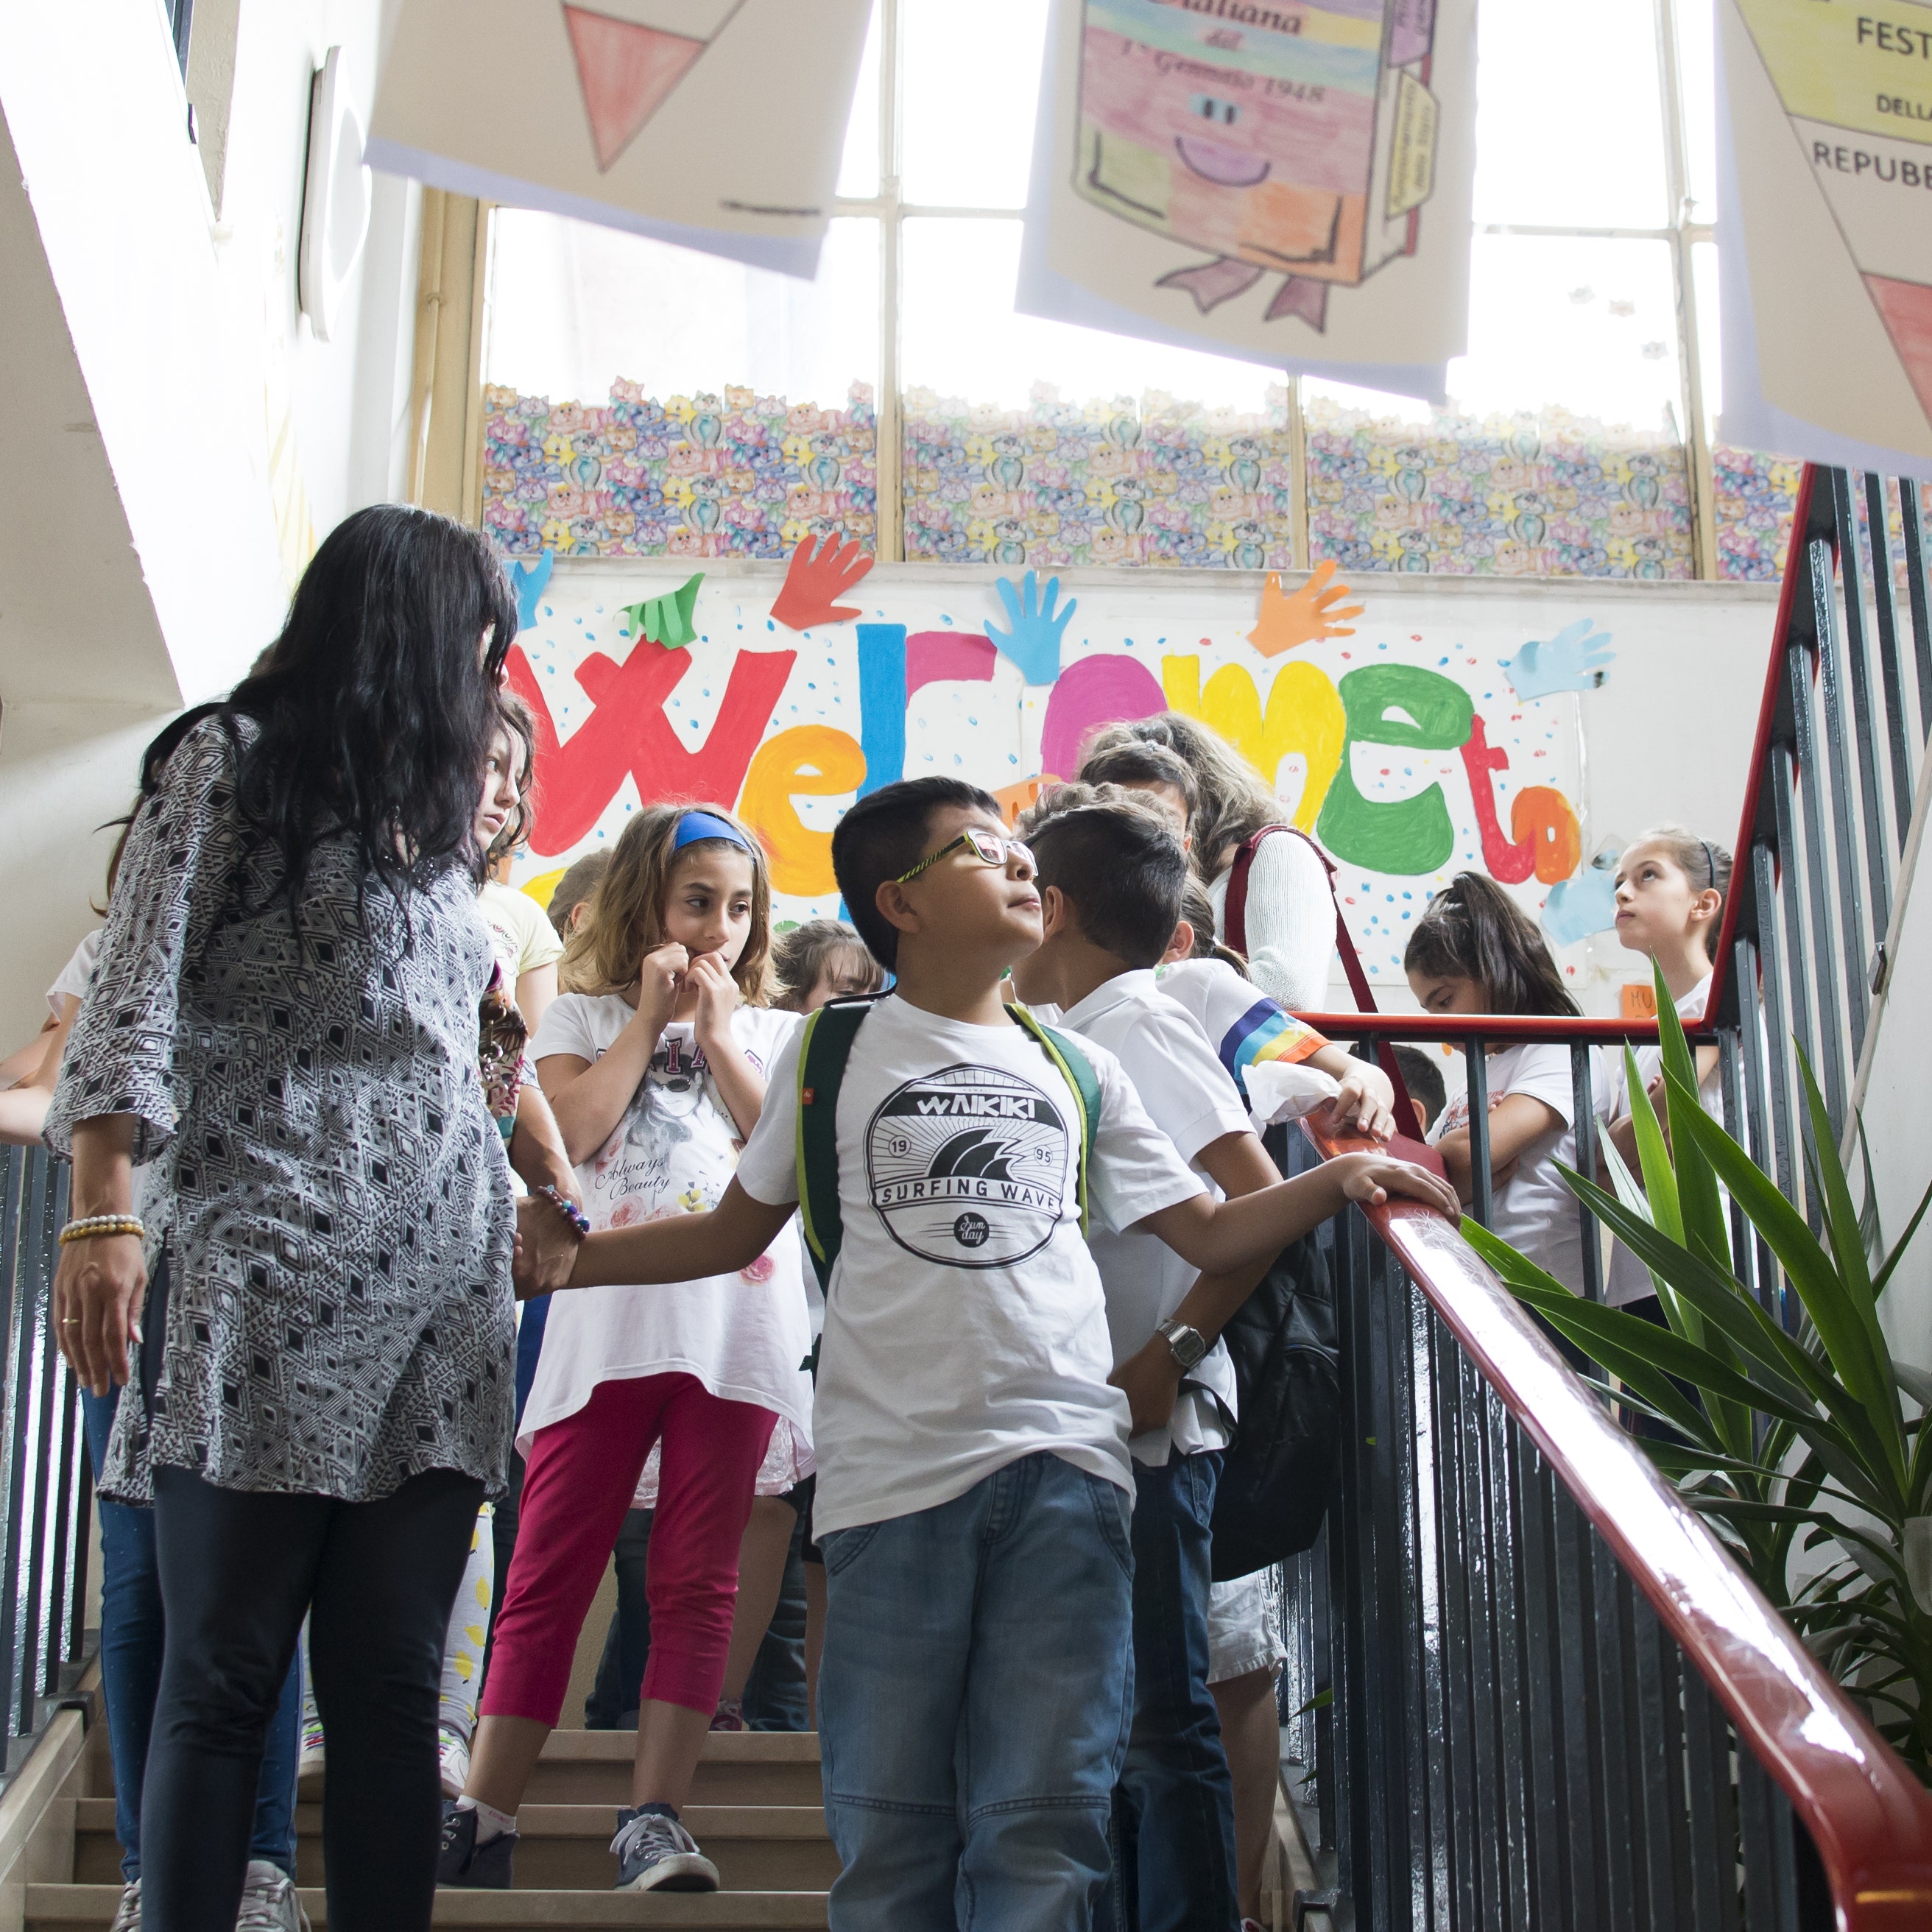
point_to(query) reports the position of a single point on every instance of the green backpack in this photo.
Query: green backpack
(827, 1046)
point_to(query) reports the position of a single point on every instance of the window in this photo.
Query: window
(714, 409)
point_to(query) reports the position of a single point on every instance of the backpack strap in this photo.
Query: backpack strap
(1235, 932)
(823, 1053)
(1078, 1071)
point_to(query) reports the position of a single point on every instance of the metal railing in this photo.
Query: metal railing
(46, 1490)
(1529, 1688)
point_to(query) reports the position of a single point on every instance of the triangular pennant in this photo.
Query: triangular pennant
(1906, 309)
(666, 620)
(627, 73)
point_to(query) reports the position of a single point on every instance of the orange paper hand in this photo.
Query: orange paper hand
(815, 578)
(1314, 613)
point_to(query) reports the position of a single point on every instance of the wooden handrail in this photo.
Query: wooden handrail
(1869, 1817)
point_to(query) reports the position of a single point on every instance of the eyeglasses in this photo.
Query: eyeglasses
(982, 845)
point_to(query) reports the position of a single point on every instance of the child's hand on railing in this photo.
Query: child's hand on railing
(1372, 1178)
(1366, 1105)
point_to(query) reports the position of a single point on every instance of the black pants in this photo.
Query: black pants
(378, 1580)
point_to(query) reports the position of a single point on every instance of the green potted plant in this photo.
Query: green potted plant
(1807, 1450)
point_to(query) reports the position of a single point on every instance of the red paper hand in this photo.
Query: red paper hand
(815, 578)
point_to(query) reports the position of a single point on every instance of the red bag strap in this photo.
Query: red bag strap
(1235, 934)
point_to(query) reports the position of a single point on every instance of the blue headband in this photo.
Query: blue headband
(696, 825)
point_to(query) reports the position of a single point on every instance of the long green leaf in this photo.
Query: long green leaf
(1898, 1255)
(1848, 1245)
(1724, 1304)
(1817, 1280)
(1700, 1203)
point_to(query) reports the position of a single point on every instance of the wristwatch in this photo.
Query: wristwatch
(1189, 1345)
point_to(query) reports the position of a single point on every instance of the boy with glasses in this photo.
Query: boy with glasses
(974, 1485)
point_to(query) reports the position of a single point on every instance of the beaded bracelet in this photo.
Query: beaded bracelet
(91, 1225)
(567, 1207)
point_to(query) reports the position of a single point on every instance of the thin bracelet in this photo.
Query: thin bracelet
(91, 1225)
(568, 1208)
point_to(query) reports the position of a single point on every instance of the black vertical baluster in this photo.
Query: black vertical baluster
(1823, 966)
(1714, 1814)
(1432, 1852)
(1583, 1086)
(1770, 1865)
(35, 1621)
(1504, 1449)
(1385, 1761)
(1582, 1716)
(1349, 1533)
(1731, 1050)
(1544, 1715)
(1467, 1825)
(13, 1291)
(27, 1231)
(1492, 1850)
(1787, 1008)
(1754, 1131)
(1405, 1607)
(1911, 520)
(1854, 918)
(1621, 1819)
(1327, 1757)
(1891, 672)
(1660, 1767)
(1482, 1205)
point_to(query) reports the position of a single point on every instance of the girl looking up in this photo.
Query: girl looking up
(655, 1069)
(1671, 885)
(1474, 950)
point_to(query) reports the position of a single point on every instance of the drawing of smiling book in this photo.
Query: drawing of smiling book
(1855, 83)
(1299, 138)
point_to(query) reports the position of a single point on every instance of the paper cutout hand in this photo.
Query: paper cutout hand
(815, 577)
(1575, 659)
(527, 580)
(1580, 906)
(1313, 614)
(1034, 642)
(666, 620)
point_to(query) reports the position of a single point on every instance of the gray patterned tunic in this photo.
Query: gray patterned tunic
(331, 1193)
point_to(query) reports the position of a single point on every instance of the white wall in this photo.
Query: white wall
(176, 436)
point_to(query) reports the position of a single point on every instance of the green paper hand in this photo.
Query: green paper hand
(666, 620)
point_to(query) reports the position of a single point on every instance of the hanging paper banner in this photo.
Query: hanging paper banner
(1825, 230)
(633, 113)
(1286, 183)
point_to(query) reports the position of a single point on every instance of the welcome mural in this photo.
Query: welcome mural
(1413, 735)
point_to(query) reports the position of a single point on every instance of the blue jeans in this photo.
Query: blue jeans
(131, 1632)
(1174, 1808)
(976, 1694)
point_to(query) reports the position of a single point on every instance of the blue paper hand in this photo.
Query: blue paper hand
(1033, 641)
(1575, 659)
(1582, 905)
(528, 581)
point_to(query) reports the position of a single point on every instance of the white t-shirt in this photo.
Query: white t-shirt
(1290, 917)
(1245, 1026)
(1534, 1211)
(1629, 1280)
(520, 933)
(965, 1327)
(744, 1337)
(1184, 1087)
(77, 975)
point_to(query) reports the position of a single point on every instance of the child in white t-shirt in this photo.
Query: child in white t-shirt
(1474, 950)
(974, 1476)
(1671, 885)
(656, 1072)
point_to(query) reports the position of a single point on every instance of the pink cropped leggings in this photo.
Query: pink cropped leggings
(578, 1480)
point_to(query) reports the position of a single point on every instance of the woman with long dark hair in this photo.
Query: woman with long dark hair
(284, 1021)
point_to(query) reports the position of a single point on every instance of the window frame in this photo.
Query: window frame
(448, 437)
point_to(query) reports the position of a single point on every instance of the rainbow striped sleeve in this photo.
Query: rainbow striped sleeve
(1266, 1032)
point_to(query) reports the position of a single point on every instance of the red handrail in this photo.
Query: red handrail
(1560, 1030)
(1760, 762)
(1870, 1818)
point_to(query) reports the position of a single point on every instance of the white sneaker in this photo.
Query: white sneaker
(453, 1758)
(127, 1913)
(269, 1901)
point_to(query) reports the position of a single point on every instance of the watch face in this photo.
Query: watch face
(1188, 1344)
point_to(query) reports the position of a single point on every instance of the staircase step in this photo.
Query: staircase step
(758, 1848)
(738, 1767)
(82, 1908)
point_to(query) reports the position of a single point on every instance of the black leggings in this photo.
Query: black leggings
(378, 1580)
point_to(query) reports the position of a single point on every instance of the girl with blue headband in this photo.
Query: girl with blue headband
(654, 1061)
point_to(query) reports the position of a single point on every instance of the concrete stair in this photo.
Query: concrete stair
(756, 1811)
